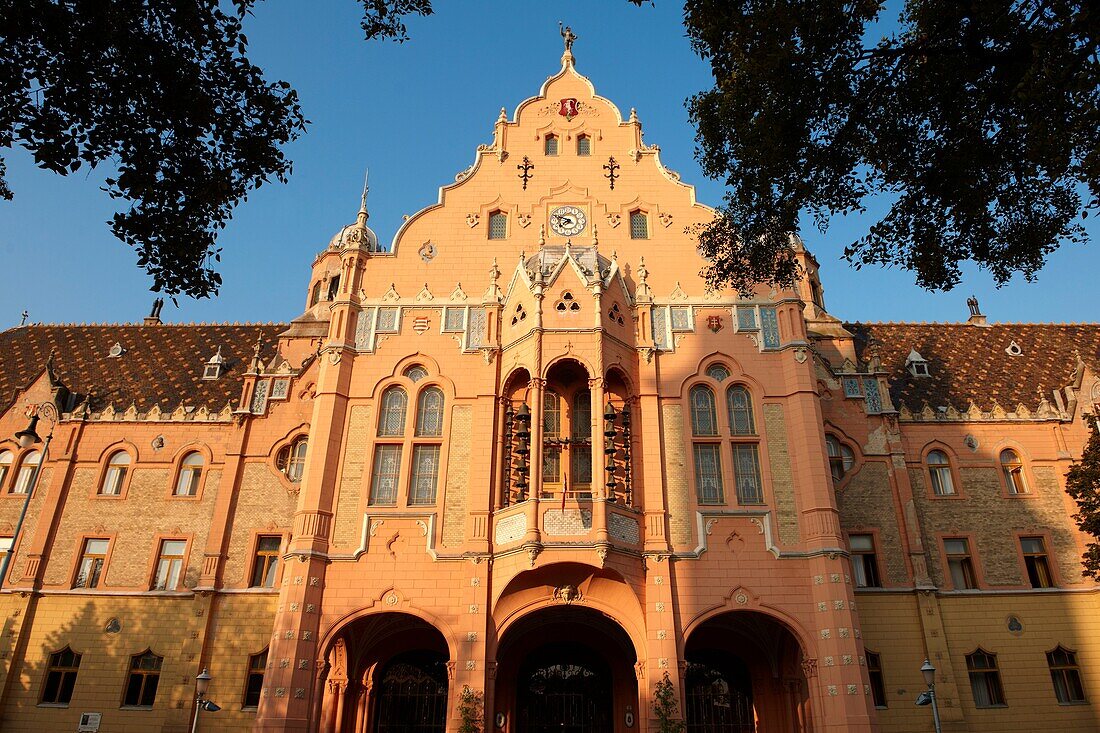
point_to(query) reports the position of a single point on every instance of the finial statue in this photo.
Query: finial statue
(25, 315)
(567, 35)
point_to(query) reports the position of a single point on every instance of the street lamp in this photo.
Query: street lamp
(202, 684)
(26, 438)
(928, 697)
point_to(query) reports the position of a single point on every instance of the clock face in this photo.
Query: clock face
(567, 221)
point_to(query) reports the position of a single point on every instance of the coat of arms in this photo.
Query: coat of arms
(714, 323)
(421, 324)
(569, 108)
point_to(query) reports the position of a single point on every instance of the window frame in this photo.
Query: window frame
(586, 137)
(287, 451)
(63, 672)
(846, 471)
(132, 670)
(547, 140)
(276, 559)
(498, 215)
(730, 444)
(1026, 575)
(1074, 667)
(987, 673)
(81, 553)
(644, 217)
(1008, 484)
(183, 467)
(875, 564)
(184, 558)
(17, 471)
(106, 472)
(880, 687)
(971, 556)
(250, 671)
(410, 438)
(7, 470)
(569, 426)
(949, 467)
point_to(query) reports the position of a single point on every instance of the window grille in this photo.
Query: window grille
(746, 318)
(425, 474)
(498, 225)
(746, 466)
(387, 469)
(584, 145)
(718, 373)
(704, 417)
(391, 421)
(851, 387)
(739, 406)
(475, 336)
(769, 327)
(660, 327)
(708, 473)
(429, 412)
(551, 145)
(415, 373)
(871, 394)
(639, 225)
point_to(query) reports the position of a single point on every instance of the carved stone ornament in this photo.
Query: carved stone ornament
(427, 251)
(567, 593)
(472, 220)
(614, 220)
(809, 668)
(666, 219)
(524, 220)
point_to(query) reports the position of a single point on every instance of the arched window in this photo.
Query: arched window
(7, 458)
(639, 225)
(718, 372)
(190, 473)
(985, 679)
(939, 470)
(739, 404)
(1013, 469)
(291, 460)
(704, 417)
(551, 147)
(254, 685)
(498, 225)
(61, 674)
(581, 434)
(115, 477)
(315, 297)
(391, 420)
(1066, 676)
(141, 686)
(26, 471)
(584, 145)
(415, 373)
(551, 432)
(841, 458)
(429, 412)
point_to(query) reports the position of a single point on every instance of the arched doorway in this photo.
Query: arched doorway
(744, 675)
(386, 673)
(566, 669)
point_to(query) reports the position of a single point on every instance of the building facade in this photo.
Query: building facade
(523, 463)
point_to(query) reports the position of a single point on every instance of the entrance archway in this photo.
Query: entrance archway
(744, 675)
(566, 669)
(386, 673)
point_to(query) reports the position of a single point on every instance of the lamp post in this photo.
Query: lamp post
(929, 695)
(202, 684)
(28, 437)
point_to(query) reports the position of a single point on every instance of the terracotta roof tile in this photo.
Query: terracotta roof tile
(969, 363)
(159, 364)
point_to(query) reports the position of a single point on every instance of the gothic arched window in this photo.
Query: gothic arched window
(704, 417)
(429, 412)
(739, 404)
(391, 418)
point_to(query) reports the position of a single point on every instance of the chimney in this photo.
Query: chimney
(153, 319)
(976, 318)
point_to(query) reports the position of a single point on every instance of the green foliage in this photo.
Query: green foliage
(1083, 484)
(664, 707)
(977, 121)
(471, 710)
(163, 92)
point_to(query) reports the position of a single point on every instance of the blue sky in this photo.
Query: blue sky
(413, 113)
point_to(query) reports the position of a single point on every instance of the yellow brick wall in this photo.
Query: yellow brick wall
(262, 504)
(347, 522)
(456, 496)
(680, 500)
(779, 460)
(867, 501)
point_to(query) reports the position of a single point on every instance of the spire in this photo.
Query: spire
(363, 215)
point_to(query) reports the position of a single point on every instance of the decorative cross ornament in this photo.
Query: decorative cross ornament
(525, 169)
(611, 169)
(714, 323)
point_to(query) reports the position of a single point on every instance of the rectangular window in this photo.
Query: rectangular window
(387, 320)
(255, 683)
(681, 318)
(141, 686)
(60, 677)
(425, 474)
(387, 469)
(265, 564)
(873, 401)
(746, 318)
(498, 225)
(708, 473)
(93, 556)
(551, 145)
(660, 327)
(639, 225)
(169, 564)
(878, 684)
(1066, 676)
(864, 562)
(1035, 558)
(5, 545)
(454, 320)
(584, 145)
(746, 470)
(985, 679)
(959, 565)
(851, 387)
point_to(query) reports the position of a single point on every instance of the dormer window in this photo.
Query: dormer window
(1014, 349)
(916, 364)
(213, 368)
(584, 145)
(498, 225)
(639, 225)
(116, 351)
(551, 146)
